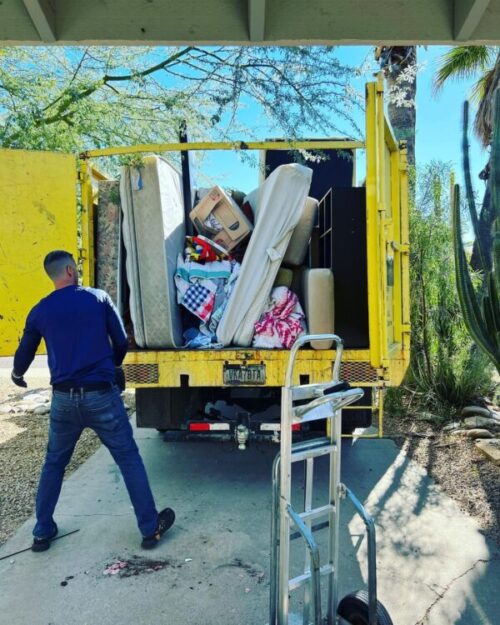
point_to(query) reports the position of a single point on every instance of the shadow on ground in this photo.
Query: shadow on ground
(434, 566)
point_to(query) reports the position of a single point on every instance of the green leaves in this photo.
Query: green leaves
(447, 370)
(480, 307)
(74, 99)
(462, 62)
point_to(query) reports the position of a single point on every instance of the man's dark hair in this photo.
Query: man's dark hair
(56, 262)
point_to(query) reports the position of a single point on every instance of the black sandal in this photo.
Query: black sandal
(42, 544)
(166, 519)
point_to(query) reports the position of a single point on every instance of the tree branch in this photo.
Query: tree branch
(72, 99)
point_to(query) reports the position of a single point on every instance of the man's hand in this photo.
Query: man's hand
(18, 379)
(120, 378)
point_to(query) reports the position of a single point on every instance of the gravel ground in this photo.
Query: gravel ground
(23, 439)
(462, 471)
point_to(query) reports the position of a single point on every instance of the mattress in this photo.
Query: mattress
(153, 233)
(108, 241)
(319, 304)
(299, 243)
(280, 202)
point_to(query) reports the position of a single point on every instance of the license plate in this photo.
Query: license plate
(241, 375)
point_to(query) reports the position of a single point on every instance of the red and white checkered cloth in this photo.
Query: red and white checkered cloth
(199, 300)
(282, 323)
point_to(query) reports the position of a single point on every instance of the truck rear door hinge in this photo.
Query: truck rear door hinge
(403, 248)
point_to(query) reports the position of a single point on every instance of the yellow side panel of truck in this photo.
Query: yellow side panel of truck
(37, 215)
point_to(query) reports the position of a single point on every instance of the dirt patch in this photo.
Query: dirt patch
(456, 465)
(137, 565)
(249, 569)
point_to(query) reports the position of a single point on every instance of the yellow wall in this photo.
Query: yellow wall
(37, 215)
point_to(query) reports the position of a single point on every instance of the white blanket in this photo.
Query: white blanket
(280, 203)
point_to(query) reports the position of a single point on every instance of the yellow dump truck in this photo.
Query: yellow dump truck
(47, 201)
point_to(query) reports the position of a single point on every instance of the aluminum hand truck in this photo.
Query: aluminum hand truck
(300, 404)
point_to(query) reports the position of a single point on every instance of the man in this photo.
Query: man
(86, 343)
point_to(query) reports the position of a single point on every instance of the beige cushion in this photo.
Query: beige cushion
(319, 304)
(299, 243)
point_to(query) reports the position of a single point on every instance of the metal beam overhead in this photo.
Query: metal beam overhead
(250, 22)
(468, 14)
(43, 17)
(256, 20)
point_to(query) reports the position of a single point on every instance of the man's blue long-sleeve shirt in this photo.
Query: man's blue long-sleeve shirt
(83, 332)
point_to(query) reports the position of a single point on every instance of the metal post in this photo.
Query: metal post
(315, 562)
(334, 517)
(372, 561)
(308, 498)
(274, 542)
(285, 497)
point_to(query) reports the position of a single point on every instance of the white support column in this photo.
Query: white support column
(256, 19)
(468, 14)
(43, 17)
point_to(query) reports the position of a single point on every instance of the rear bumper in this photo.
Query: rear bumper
(205, 368)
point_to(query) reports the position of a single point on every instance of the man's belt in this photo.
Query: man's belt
(75, 387)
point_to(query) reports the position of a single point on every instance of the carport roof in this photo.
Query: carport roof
(276, 22)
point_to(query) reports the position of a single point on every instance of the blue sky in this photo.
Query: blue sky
(438, 124)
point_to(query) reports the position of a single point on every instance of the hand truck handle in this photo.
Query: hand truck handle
(307, 338)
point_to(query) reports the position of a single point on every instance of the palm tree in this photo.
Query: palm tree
(482, 62)
(399, 64)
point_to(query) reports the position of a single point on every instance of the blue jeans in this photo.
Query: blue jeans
(104, 412)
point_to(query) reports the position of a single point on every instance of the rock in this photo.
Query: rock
(35, 399)
(7, 409)
(24, 407)
(491, 449)
(41, 409)
(451, 426)
(427, 416)
(480, 422)
(471, 411)
(473, 433)
(459, 433)
(478, 433)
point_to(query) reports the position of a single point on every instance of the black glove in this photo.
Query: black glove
(18, 380)
(120, 378)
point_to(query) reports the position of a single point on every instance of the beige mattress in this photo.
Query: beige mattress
(319, 304)
(280, 203)
(299, 243)
(153, 233)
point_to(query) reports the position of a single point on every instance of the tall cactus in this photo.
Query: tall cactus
(480, 308)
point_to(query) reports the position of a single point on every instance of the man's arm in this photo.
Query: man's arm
(26, 351)
(116, 332)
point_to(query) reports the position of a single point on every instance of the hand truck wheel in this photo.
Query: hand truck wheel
(353, 608)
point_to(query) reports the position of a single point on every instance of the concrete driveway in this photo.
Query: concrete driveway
(434, 566)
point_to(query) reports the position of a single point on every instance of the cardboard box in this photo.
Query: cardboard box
(220, 219)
